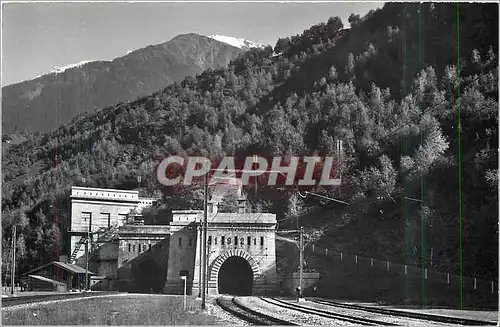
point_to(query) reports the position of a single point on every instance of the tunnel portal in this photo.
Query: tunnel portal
(235, 277)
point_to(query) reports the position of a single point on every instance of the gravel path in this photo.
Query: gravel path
(224, 317)
(466, 314)
(33, 304)
(375, 316)
(300, 318)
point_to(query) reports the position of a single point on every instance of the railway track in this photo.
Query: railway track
(229, 304)
(406, 314)
(327, 314)
(17, 300)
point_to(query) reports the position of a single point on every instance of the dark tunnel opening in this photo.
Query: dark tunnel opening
(235, 277)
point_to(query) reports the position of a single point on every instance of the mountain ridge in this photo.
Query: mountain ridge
(43, 103)
(241, 43)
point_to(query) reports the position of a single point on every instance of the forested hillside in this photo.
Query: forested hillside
(410, 89)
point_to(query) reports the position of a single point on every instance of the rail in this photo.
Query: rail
(326, 314)
(230, 305)
(408, 314)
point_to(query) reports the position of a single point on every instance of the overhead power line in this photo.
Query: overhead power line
(322, 196)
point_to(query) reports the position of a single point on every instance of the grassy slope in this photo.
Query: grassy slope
(122, 310)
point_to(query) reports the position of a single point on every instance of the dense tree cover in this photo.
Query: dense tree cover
(416, 111)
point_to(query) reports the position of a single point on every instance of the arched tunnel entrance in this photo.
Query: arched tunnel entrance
(147, 277)
(235, 277)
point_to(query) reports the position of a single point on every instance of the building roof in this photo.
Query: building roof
(95, 189)
(45, 279)
(242, 218)
(66, 266)
(189, 216)
(160, 230)
(102, 194)
(148, 199)
(71, 267)
(188, 212)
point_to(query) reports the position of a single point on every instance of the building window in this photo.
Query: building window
(122, 218)
(222, 240)
(133, 247)
(139, 248)
(235, 240)
(149, 246)
(129, 246)
(254, 241)
(249, 240)
(105, 220)
(87, 219)
(209, 240)
(215, 240)
(261, 240)
(180, 241)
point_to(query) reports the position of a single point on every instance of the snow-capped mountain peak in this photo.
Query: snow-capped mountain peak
(57, 69)
(61, 69)
(240, 43)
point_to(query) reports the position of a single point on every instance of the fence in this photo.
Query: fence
(392, 278)
(7, 289)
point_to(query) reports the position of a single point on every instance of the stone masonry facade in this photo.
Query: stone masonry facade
(147, 258)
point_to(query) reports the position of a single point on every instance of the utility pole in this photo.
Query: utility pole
(207, 247)
(301, 259)
(206, 260)
(87, 260)
(200, 260)
(13, 259)
(339, 159)
(255, 161)
(185, 287)
(204, 243)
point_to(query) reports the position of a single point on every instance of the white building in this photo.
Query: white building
(94, 209)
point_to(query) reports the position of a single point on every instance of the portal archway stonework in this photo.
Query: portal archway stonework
(250, 236)
(219, 261)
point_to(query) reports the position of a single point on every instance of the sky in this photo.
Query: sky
(39, 36)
